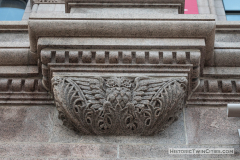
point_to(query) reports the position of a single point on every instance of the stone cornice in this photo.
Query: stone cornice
(181, 26)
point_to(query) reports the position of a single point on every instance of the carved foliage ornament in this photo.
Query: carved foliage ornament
(119, 105)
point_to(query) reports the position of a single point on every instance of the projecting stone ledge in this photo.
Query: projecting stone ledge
(119, 105)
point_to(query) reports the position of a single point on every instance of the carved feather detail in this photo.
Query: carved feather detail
(119, 105)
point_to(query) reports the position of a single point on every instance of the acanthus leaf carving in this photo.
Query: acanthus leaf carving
(119, 105)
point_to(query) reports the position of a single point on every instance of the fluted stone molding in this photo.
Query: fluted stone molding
(119, 105)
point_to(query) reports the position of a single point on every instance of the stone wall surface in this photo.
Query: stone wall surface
(110, 39)
(35, 132)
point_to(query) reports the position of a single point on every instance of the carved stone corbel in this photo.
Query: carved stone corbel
(146, 48)
(119, 105)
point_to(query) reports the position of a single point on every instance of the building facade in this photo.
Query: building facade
(110, 79)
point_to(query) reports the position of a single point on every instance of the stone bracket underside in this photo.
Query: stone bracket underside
(119, 105)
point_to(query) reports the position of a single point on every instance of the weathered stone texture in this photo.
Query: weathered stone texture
(210, 125)
(42, 136)
(58, 150)
(105, 39)
(26, 124)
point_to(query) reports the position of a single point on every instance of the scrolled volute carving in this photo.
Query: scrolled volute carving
(119, 105)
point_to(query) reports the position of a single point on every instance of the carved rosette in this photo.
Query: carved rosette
(119, 105)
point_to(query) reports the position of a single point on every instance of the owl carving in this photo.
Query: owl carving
(119, 105)
(118, 91)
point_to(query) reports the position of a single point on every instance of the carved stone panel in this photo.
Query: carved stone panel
(119, 105)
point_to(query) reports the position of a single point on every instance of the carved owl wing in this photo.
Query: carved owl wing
(148, 91)
(78, 100)
(90, 90)
(158, 101)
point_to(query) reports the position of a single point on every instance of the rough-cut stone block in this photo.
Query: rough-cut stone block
(100, 57)
(226, 86)
(25, 124)
(127, 57)
(140, 57)
(113, 57)
(210, 125)
(153, 57)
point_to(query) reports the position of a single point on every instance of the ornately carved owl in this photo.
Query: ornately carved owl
(119, 105)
